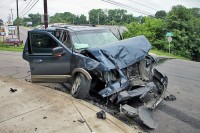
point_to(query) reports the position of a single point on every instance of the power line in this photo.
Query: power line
(30, 8)
(23, 10)
(143, 5)
(127, 7)
(11, 14)
(25, 6)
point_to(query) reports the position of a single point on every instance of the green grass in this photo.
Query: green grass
(5, 47)
(162, 53)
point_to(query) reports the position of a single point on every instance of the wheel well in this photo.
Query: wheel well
(83, 71)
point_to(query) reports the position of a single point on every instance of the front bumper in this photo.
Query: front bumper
(121, 89)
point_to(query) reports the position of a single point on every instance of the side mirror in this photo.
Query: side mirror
(58, 51)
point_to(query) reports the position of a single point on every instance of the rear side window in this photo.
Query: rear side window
(42, 43)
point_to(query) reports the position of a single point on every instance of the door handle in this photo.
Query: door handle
(37, 61)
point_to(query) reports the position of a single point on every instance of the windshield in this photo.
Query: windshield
(92, 39)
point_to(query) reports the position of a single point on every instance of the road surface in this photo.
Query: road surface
(23, 33)
(181, 115)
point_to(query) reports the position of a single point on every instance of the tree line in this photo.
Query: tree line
(183, 22)
(96, 16)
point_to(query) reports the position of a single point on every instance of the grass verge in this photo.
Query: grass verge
(4, 47)
(162, 53)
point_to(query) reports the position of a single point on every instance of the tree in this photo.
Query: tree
(56, 18)
(161, 14)
(185, 23)
(97, 16)
(35, 18)
(1, 22)
(81, 20)
(152, 28)
(20, 20)
(117, 15)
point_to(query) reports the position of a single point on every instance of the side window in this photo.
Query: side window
(66, 39)
(42, 43)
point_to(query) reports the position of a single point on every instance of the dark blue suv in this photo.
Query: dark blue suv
(95, 60)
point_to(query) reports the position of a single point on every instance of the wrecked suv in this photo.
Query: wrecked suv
(97, 62)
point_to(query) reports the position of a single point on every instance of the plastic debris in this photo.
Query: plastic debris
(101, 114)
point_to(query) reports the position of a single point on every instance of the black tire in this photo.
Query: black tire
(15, 45)
(80, 86)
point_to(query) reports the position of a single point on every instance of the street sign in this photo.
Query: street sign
(11, 27)
(169, 39)
(169, 34)
(2, 33)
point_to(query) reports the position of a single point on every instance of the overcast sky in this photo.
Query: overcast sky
(79, 7)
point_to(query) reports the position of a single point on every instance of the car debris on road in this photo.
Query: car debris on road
(13, 90)
(101, 114)
(94, 61)
(170, 98)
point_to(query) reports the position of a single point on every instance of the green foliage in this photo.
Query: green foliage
(81, 19)
(7, 47)
(111, 16)
(20, 20)
(183, 22)
(34, 18)
(68, 18)
(161, 14)
(1, 22)
(152, 28)
(65, 17)
(97, 16)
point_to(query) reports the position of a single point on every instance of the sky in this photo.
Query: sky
(79, 7)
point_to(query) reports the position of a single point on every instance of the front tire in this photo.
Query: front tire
(80, 86)
(15, 45)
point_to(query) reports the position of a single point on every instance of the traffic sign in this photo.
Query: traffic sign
(169, 39)
(11, 27)
(169, 34)
(2, 33)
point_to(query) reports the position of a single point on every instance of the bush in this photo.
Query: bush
(5, 45)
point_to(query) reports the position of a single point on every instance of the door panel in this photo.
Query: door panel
(43, 65)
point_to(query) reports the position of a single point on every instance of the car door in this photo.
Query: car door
(44, 66)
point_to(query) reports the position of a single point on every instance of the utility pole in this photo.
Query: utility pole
(11, 14)
(45, 14)
(17, 20)
(98, 18)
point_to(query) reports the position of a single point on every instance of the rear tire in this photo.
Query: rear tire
(15, 45)
(80, 86)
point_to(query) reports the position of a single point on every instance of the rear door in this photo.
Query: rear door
(43, 65)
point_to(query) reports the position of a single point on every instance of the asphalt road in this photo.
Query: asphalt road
(182, 115)
(179, 116)
(23, 33)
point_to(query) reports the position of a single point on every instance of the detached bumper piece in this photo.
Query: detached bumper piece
(144, 113)
(159, 86)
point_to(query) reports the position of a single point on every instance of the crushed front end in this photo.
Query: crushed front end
(130, 76)
(137, 80)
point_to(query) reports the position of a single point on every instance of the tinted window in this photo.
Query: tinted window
(42, 43)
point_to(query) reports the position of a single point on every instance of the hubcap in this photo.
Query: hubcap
(75, 85)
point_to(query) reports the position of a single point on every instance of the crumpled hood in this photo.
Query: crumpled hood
(123, 53)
